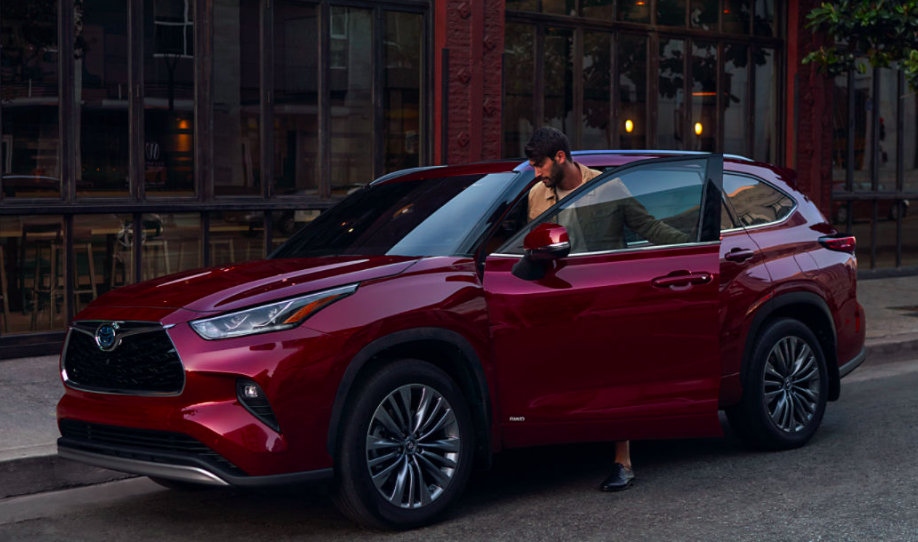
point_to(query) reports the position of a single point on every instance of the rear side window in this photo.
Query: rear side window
(756, 202)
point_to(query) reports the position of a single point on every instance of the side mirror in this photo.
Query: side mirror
(547, 242)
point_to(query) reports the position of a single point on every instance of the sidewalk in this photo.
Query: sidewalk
(31, 388)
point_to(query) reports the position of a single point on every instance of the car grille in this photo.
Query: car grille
(144, 445)
(144, 362)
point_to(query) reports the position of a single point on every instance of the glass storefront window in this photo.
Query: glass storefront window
(296, 98)
(236, 236)
(632, 92)
(765, 136)
(597, 88)
(350, 81)
(597, 9)
(634, 11)
(102, 254)
(559, 79)
(703, 14)
(32, 274)
(703, 122)
(559, 7)
(522, 5)
(169, 98)
(736, 80)
(237, 88)
(101, 75)
(764, 21)
(670, 116)
(670, 12)
(402, 134)
(519, 82)
(30, 141)
(286, 223)
(170, 243)
(736, 16)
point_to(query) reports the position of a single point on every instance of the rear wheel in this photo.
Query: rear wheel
(405, 453)
(784, 389)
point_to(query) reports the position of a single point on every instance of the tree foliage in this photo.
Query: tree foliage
(883, 33)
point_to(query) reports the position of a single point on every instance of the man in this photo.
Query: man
(594, 223)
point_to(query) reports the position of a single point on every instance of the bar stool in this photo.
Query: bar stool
(227, 244)
(160, 248)
(78, 288)
(44, 236)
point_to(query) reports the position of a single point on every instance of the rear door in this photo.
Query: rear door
(620, 338)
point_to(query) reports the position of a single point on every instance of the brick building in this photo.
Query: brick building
(212, 129)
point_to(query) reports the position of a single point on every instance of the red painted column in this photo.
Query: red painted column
(473, 31)
(814, 109)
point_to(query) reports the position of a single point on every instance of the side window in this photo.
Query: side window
(726, 221)
(656, 204)
(756, 202)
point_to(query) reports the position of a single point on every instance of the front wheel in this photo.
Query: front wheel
(784, 389)
(405, 453)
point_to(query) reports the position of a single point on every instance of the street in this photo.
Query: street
(856, 480)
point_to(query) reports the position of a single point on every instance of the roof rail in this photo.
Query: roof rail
(646, 151)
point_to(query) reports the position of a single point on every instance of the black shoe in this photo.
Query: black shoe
(620, 479)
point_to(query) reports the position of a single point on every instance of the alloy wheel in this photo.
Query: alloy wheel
(412, 447)
(791, 384)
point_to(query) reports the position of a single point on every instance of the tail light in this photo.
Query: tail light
(841, 244)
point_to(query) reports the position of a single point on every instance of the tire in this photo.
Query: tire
(763, 418)
(437, 450)
(178, 485)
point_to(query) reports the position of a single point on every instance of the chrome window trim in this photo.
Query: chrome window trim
(620, 250)
(154, 326)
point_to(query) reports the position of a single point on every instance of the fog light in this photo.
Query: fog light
(253, 398)
(250, 391)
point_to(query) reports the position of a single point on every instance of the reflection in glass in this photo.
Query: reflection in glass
(296, 98)
(671, 12)
(632, 90)
(888, 136)
(597, 9)
(736, 60)
(635, 11)
(102, 246)
(703, 14)
(519, 73)
(286, 223)
(840, 132)
(32, 274)
(863, 129)
(169, 97)
(670, 115)
(101, 76)
(237, 158)
(910, 155)
(522, 5)
(402, 91)
(766, 106)
(764, 23)
(559, 79)
(559, 7)
(236, 236)
(170, 243)
(736, 16)
(597, 87)
(350, 79)
(703, 122)
(29, 146)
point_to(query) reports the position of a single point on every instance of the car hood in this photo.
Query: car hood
(251, 283)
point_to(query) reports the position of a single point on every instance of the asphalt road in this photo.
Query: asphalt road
(856, 480)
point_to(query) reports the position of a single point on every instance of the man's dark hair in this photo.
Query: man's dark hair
(545, 143)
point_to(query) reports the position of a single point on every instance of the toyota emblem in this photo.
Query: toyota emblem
(106, 337)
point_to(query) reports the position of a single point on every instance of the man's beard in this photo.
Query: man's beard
(555, 176)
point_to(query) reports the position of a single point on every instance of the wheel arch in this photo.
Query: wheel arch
(813, 311)
(443, 348)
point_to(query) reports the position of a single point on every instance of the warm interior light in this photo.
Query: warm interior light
(629, 126)
(183, 125)
(640, 3)
(698, 128)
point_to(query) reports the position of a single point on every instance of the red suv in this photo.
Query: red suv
(424, 323)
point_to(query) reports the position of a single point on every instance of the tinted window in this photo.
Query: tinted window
(658, 204)
(429, 217)
(756, 202)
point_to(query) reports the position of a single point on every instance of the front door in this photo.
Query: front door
(618, 340)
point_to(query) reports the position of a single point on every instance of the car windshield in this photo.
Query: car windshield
(427, 217)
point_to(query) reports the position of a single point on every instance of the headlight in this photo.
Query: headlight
(273, 317)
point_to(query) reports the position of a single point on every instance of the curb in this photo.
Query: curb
(37, 469)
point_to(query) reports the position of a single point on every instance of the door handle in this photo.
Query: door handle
(739, 254)
(680, 280)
